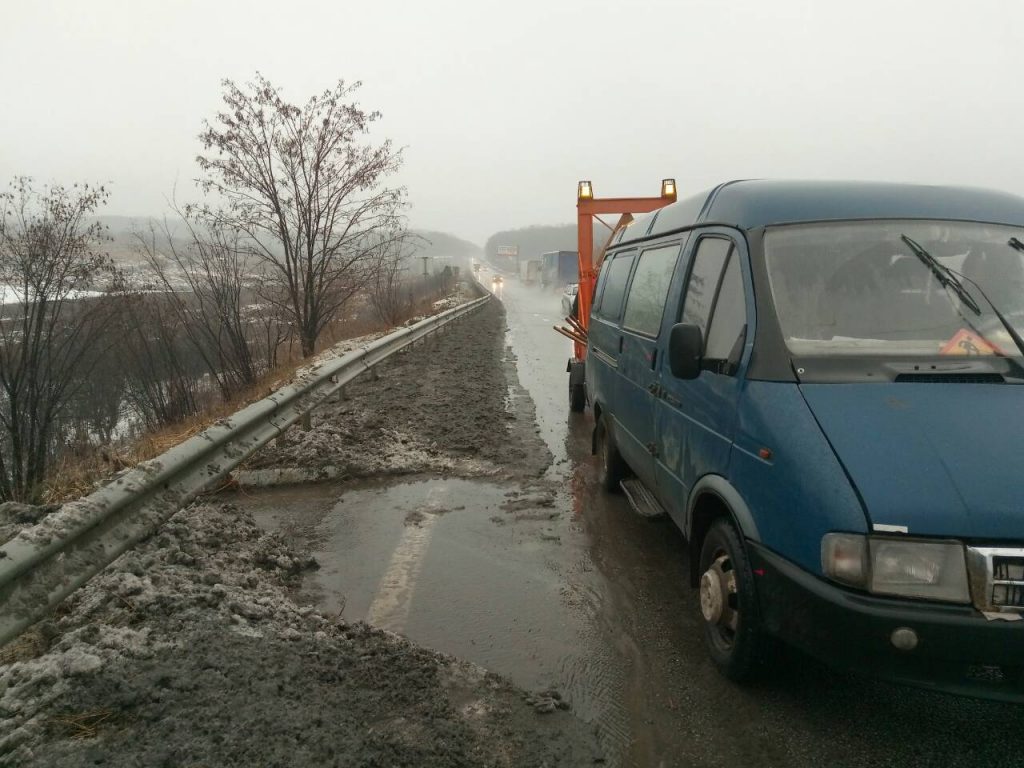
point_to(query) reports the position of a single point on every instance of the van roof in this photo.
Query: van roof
(750, 204)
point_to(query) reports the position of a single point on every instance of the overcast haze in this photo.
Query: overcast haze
(503, 106)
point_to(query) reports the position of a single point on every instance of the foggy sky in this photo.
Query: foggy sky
(502, 106)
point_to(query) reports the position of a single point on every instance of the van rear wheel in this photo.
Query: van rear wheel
(728, 603)
(611, 467)
(577, 398)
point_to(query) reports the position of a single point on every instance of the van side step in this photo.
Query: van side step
(640, 499)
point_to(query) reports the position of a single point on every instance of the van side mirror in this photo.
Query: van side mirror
(685, 347)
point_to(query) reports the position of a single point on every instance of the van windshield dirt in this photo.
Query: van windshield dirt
(858, 288)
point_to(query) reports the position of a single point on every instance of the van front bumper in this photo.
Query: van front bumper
(958, 650)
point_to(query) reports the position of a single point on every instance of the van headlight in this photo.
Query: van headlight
(935, 570)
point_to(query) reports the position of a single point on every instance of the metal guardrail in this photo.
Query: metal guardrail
(44, 564)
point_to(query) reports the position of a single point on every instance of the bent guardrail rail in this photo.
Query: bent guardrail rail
(44, 564)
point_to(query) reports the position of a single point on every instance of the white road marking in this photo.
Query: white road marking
(390, 608)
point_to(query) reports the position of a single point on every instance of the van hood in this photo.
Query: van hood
(941, 459)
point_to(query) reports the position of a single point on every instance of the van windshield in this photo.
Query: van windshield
(858, 288)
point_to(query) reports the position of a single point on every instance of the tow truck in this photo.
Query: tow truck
(589, 208)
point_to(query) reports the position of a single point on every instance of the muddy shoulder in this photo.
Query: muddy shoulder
(451, 405)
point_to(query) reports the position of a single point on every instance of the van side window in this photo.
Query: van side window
(615, 286)
(705, 277)
(602, 281)
(726, 336)
(645, 304)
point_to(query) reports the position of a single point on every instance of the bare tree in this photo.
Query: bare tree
(306, 190)
(50, 320)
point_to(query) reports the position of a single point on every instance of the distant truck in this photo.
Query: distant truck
(559, 269)
(530, 271)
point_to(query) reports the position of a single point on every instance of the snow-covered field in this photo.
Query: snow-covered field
(10, 294)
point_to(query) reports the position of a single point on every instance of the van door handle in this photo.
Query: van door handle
(621, 339)
(653, 388)
(654, 359)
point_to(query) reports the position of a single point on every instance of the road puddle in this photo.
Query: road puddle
(489, 573)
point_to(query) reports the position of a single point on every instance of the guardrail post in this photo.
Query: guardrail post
(280, 438)
(307, 421)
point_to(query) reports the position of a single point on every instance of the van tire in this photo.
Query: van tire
(611, 467)
(728, 599)
(577, 398)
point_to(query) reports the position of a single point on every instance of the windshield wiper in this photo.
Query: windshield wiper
(944, 275)
(949, 277)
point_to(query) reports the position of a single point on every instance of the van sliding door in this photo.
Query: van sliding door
(638, 357)
(604, 338)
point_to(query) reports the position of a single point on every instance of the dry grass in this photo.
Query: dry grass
(27, 645)
(79, 474)
(83, 725)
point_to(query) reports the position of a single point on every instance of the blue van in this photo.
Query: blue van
(818, 382)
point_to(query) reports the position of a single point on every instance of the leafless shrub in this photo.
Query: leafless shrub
(390, 293)
(164, 382)
(204, 283)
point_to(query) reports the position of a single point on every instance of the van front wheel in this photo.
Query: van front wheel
(728, 603)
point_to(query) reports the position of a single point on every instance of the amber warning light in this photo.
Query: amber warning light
(584, 191)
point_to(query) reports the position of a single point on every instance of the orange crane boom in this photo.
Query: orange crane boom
(587, 209)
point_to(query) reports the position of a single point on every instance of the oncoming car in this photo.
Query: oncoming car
(821, 384)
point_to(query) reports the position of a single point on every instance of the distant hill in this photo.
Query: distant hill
(439, 246)
(125, 223)
(442, 247)
(123, 243)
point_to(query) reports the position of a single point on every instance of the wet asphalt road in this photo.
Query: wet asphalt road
(575, 592)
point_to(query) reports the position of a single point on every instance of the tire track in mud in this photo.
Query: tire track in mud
(596, 680)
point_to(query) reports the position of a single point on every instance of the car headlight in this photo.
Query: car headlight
(936, 570)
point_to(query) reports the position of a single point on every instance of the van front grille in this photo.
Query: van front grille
(1008, 581)
(997, 577)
